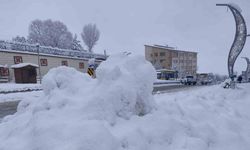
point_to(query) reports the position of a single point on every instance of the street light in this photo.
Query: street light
(239, 39)
(38, 60)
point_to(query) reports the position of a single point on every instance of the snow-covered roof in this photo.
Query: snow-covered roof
(25, 47)
(3, 66)
(21, 65)
(169, 48)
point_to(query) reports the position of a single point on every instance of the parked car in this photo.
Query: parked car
(189, 80)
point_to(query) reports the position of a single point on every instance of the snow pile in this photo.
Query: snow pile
(128, 84)
(114, 112)
(207, 118)
(120, 90)
(76, 110)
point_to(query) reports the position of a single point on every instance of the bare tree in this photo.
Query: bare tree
(90, 36)
(50, 33)
(20, 39)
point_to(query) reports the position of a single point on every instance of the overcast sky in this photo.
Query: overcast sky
(127, 25)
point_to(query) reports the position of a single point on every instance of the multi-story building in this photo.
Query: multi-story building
(16, 53)
(164, 57)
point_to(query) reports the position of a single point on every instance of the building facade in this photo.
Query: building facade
(164, 57)
(16, 53)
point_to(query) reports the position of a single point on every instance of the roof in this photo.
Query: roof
(169, 48)
(46, 55)
(3, 66)
(21, 65)
(31, 48)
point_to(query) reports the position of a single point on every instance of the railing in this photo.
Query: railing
(16, 46)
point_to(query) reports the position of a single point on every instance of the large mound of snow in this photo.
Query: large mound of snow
(209, 118)
(116, 112)
(76, 110)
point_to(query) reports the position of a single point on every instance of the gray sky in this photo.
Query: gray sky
(126, 25)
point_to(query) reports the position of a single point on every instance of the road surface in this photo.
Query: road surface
(8, 108)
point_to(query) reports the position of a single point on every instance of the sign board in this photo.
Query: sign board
(91, 71)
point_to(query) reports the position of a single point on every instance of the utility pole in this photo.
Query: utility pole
(38, 60)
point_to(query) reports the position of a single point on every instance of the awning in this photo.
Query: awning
(21, 65)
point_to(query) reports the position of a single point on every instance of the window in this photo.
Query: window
(175, 54)
(156, 54)
(44, 62)
(18, 59)
(64, 63)
(162, 53)
(81, 65)
(4, 71)
(162, 60)
(175, 61)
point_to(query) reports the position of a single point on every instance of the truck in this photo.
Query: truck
(203, 79)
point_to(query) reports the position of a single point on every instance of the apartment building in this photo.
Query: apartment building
(165, 57)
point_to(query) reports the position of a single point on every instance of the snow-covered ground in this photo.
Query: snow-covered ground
(167, 84)
(117, 111)
(167, 81)
(20, 96)
(12, 87)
